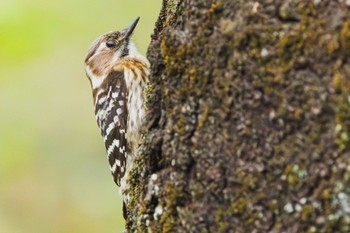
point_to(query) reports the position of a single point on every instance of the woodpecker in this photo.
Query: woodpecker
(118, 75)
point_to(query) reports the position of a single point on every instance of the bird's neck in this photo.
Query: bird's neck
(134, 54)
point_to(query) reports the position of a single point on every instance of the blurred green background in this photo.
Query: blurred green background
(54, 175)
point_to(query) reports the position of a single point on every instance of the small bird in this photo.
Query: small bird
(118, 74)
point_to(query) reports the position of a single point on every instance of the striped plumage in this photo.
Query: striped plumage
(118, 76)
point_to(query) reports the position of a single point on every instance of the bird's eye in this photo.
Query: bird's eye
(110, 44)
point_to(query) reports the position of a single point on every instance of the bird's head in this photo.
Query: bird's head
(108, 49)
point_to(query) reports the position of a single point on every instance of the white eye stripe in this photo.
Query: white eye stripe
(102, 46)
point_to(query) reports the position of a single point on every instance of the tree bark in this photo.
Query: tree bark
(249, 119)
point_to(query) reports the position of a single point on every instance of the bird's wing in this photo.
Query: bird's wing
(114, 126)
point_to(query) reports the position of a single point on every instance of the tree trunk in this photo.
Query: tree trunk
(249, 120)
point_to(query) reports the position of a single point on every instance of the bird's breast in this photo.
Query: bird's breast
(135, 102)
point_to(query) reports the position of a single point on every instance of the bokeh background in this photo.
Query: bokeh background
(54, 175)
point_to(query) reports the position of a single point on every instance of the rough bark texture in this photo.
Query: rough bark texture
(249, 119)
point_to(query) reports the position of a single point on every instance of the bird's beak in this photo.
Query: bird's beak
(128, 31)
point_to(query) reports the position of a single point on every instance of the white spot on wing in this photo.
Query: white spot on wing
(112, 146)
(116, 121)
(109, 91)
(110, 127)
(97, 95)
(115, 94)
(102, 99)
(119, 111)
(115, 165)
(117, 161)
